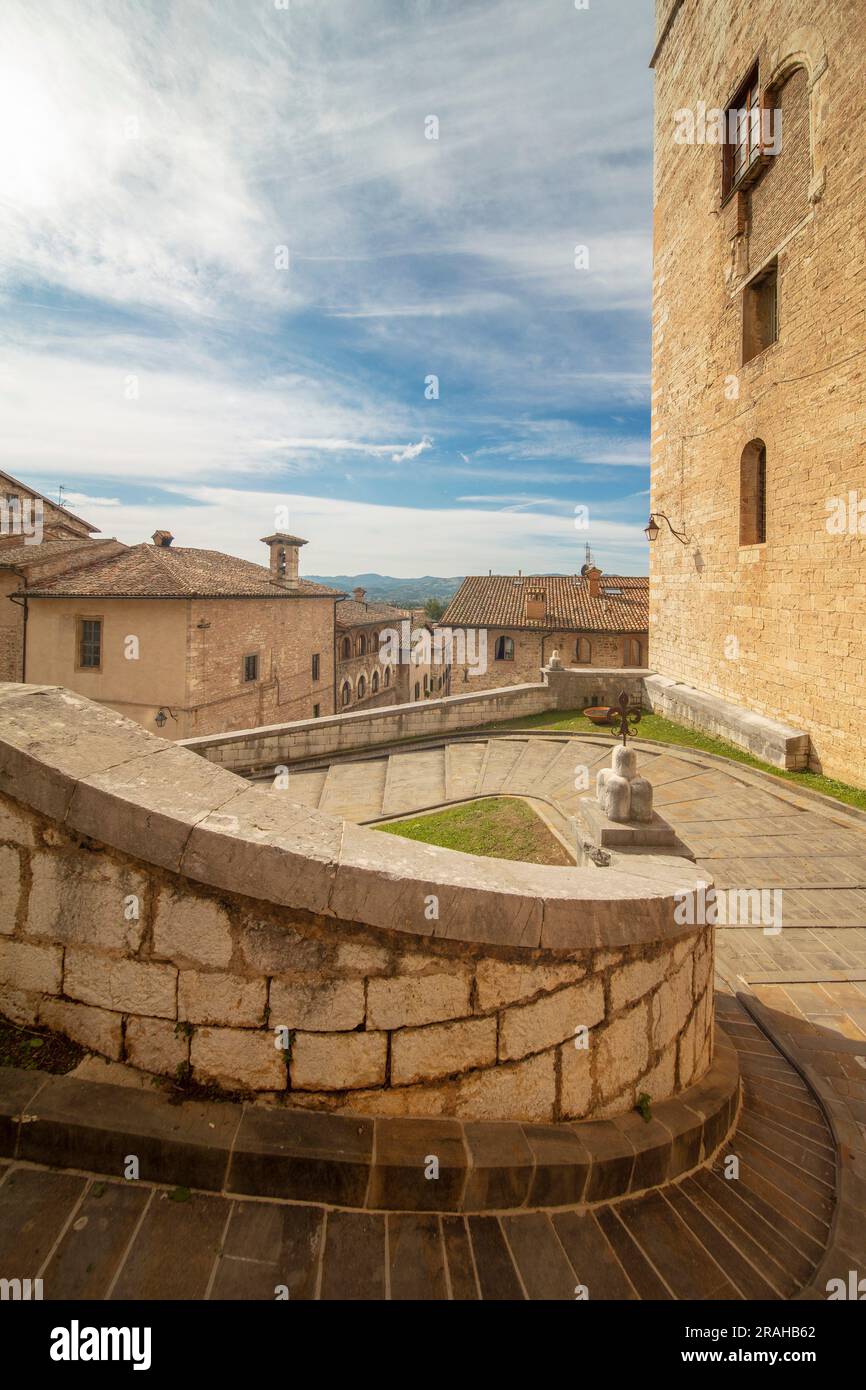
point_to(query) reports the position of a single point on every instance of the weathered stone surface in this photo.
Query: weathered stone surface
(27, 966)
(213, 997)
(419, 1054)
(95, 1028)
(279, 950)
(94, 904)
(703, 964)
(127, 986)
(524, 1091)
(500, 982)
(414, 1000)
(575, 1080)
(532, 1027)
(659, 1082)
(325, 1006)
(622, 1052)
(21, 1005)
(195, 929)
(156, 1045)
(237, 1059)
(357, 958)
(634, 981)
(10, 874)
(338, 1061)
(15, 824)
(671, 1006)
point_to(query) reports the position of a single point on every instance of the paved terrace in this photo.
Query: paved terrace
(790, 1223)
(792, 1005)
(744, 828)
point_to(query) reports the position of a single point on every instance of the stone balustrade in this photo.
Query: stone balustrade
(162, 911)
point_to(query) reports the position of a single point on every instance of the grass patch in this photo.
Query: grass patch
(655, 728)
(36, 1049)
(499, 827)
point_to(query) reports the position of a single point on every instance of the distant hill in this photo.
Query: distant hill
(386, 588)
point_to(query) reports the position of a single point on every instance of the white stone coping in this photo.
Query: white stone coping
(106, 777)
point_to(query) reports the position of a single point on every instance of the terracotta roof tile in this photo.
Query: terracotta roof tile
(22, 556)
(350, 613)
(499, 600)
(153, 571)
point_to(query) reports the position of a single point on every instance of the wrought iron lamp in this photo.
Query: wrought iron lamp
(652, 528)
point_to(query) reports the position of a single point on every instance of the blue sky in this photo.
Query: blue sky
(161, 361)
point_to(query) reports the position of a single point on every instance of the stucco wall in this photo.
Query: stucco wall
(162, 911)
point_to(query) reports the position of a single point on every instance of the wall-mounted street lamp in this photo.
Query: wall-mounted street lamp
(161, 716)
(652, 529)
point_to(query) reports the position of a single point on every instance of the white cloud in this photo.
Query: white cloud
(350, 537)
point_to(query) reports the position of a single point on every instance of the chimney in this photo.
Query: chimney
(536, 607)
(163, 538)
(593, 579)
(284, 558)
(358, 594)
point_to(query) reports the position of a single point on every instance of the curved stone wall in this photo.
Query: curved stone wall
(162, 911)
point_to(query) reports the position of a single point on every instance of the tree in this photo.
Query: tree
(434, 608)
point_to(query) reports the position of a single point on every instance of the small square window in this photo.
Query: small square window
(251, 667)
(760, 313)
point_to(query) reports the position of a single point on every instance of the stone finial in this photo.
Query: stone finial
(555, 664)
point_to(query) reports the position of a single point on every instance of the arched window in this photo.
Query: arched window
(374, 642)
(504, 649)
(417, 691)
(345, 693)
(362, 687)
(387, 676)
(426, 685)
(632, 653)
(346, 648)
(374, 683)
(753, 493)
(583, 650)
(361, 646)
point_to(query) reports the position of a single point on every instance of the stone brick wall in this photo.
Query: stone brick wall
(285, 633)
(286, 743)
(163, 912)
(778, 626)
(532, 650)
(144, 967)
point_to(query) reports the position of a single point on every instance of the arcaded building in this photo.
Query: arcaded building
(759, 356)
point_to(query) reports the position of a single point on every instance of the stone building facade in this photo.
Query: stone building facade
(590, 619)
(759, 336)
(383, 656)
(184, 641)
(36, 537)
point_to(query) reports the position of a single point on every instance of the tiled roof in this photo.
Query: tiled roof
(499, 600)
(155, 571)
(350, 613)
(23, 556)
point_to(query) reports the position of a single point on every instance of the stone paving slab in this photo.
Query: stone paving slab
(744, 830)
(703, 1237)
